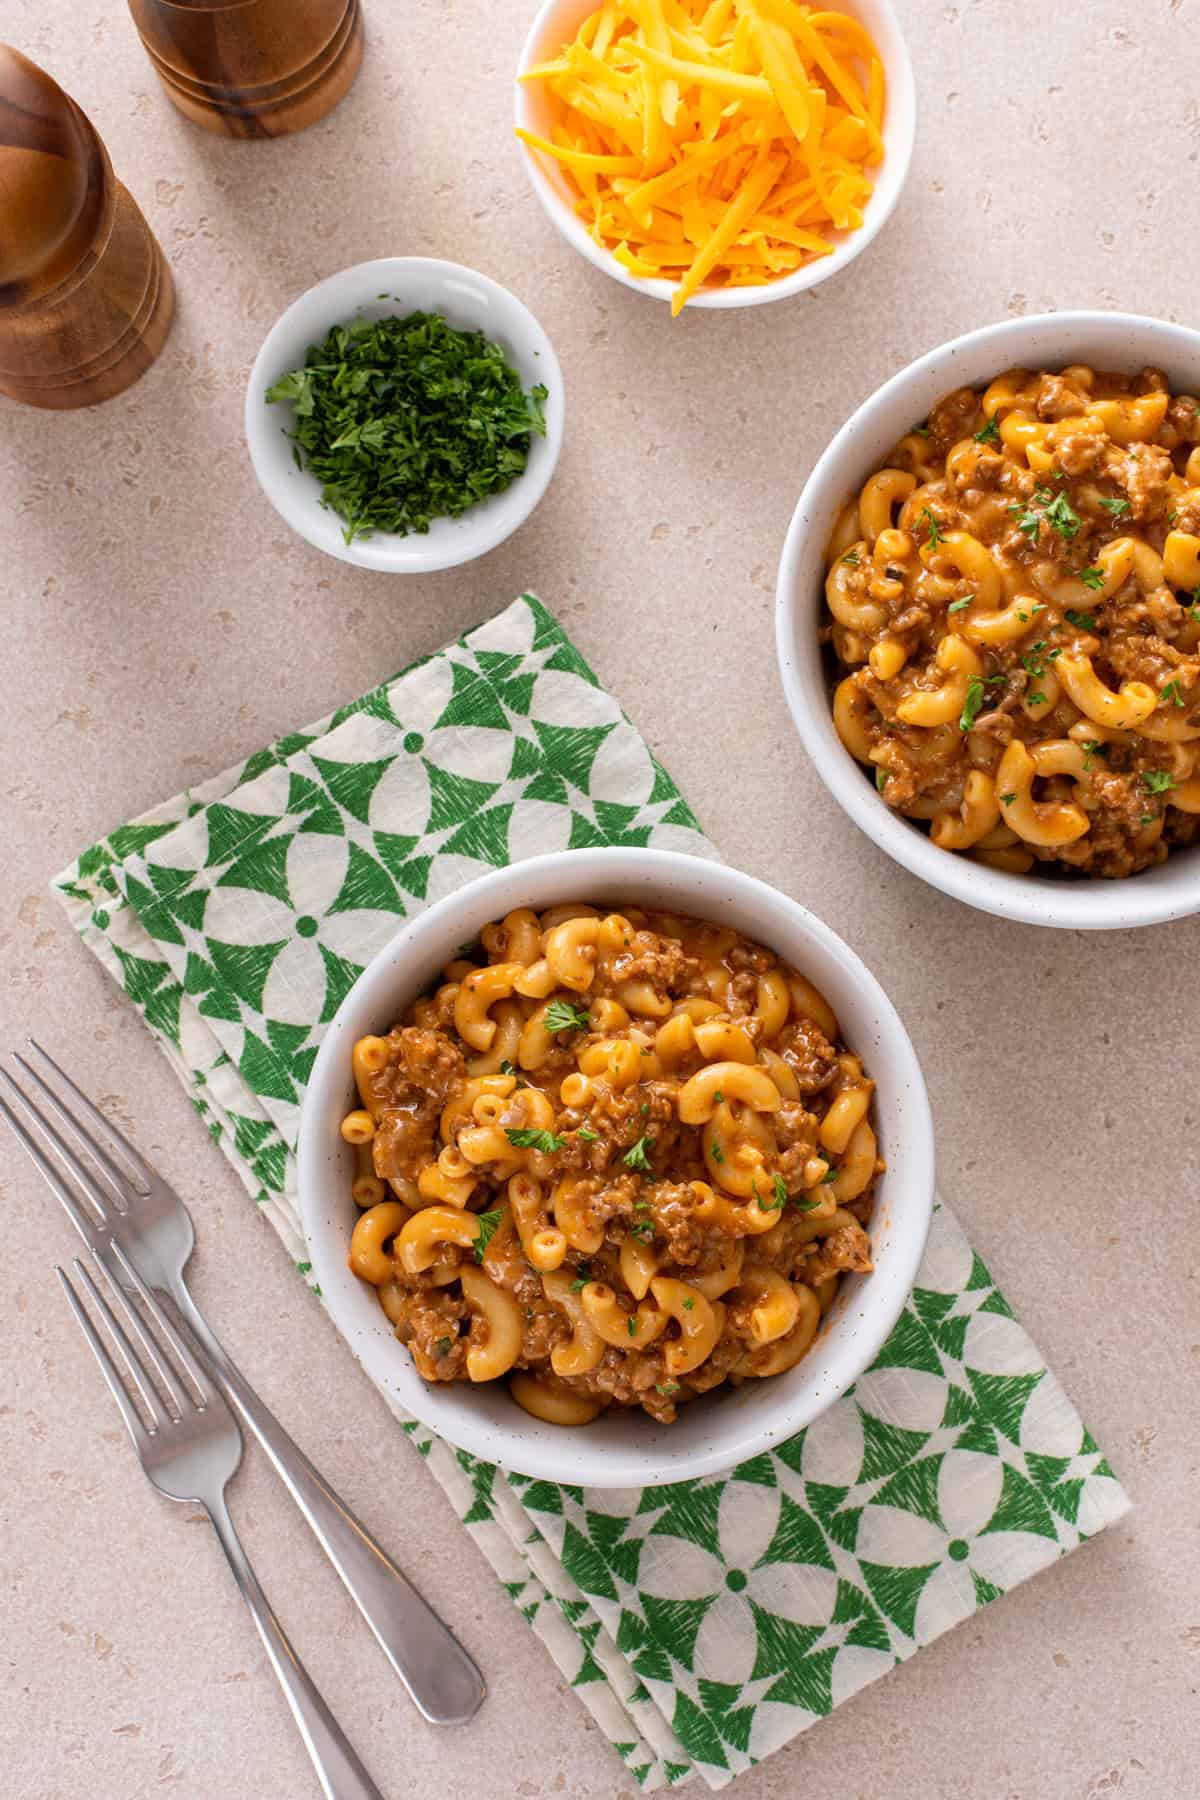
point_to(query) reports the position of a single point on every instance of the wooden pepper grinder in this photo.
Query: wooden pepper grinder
(85, 293)
(252, 68)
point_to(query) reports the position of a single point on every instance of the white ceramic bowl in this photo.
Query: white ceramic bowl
(1117, 341)
(620, 1449)
(559, 20)
(469, 301)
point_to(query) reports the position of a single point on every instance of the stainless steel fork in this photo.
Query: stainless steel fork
(130, 1219)
(191, 1457)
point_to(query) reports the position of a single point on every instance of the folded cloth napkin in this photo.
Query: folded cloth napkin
(703, 1624)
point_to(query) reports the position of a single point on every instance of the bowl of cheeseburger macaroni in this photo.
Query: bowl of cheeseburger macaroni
(616, 1167)
(988, 619)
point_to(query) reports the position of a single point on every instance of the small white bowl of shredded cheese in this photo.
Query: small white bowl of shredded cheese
(787, 74)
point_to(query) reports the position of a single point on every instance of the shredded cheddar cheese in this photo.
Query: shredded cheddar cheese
(715, 142)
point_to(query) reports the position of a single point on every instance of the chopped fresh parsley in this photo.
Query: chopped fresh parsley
(990, 433)
(935, 535)
(644, 1232)
(631, 1325)
(1090, 746)
(780, 1191)
(1091, 578)
(717, 1154)
(774, 1203)
(635, 1157)
(442, 1346)
(1118, 508)
(1157, 781)
(1062, 516)
(1172, 693)
(666, 1387)
(976, 688)
(507, 1068)
(1007, 799)
(528, 1137)
(921, 431)
(881, 780)
(588, 1136)
(1037, 698)
(1029, 521)
(688, 1305)
(960, 605)
(583, 1275)
(406, 420)
(718, 1096)
(564, 1015)
(488, 1221)
(851, 557)
(1147, 819)
(1081, 620)
(828, 1176)
(1031, 660)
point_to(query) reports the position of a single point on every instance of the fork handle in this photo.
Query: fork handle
(339, 1771)
(444, 1683)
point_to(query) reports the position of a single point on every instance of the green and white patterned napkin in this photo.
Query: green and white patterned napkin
(706, 1624)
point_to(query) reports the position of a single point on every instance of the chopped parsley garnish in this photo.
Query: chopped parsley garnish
(773, 1204)
(635, 1157)
(935, 536)
(960, 605)
(780, 1191)
(1157, 781)
(583, 1275)
(442, 1347)
(828, 1176)
(1063, 517)
(1032, 662)
(528, 1137)
(881, 780)
(718, 1096)
(1090, 746)
(1118, 508)
(976, 688)
(1147, 819)
(507, 1068)
(1037, 698)
(1029, 521)
(488, 1221)
(564, 1015)
(851, 557)
(1091, 578)
(688, 1305)
(717, 1154)
(631, 1325)
(990, 433)
(644, 1232)
(1081, 620)
(1172, 693)
(1007, 799)
(406, 420)
(588, 1136)
(666, 1387)
(921, 431)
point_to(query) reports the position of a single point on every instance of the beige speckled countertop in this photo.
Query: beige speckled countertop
(162, 622)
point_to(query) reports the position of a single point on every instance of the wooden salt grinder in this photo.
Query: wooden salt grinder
(85, 293)
(252, 68)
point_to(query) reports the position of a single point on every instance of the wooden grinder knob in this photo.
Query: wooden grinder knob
(252, 68)
(85, 294)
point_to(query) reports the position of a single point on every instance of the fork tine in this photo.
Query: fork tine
(138, 1170)
(116, 1386)
(81, 1220)
(161, 1320)
(66, 1155)
(116, 1176)
(141, 1379)
(152, 1348)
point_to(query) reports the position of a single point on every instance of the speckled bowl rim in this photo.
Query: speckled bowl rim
(899, 133)
(1109, 340)
(470, 301)
(719, 1430)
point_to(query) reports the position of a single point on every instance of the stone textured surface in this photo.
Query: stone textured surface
(162, 622)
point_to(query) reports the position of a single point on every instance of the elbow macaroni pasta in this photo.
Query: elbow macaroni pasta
(1024, 574)
(656, 1190)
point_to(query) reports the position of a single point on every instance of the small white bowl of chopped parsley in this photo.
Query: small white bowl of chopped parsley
(405, 414)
